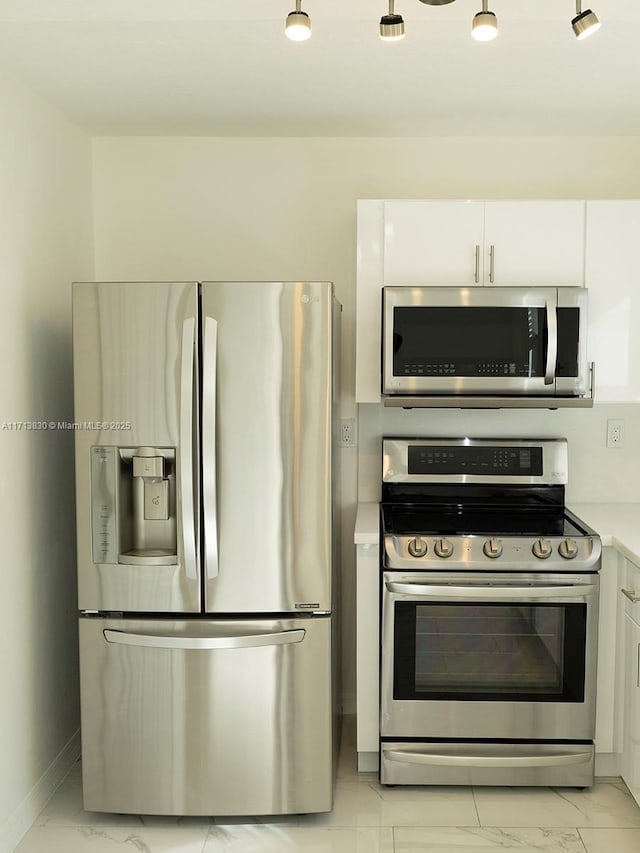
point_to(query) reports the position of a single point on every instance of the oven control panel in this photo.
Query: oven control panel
(515, 553)
(468, 460)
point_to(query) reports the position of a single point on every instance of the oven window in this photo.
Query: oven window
(470, 651)
(469, 341)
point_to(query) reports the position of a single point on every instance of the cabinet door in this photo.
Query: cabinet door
(614, 299)
(433, 242)
(631, 737)
(609, 694)
(537, 243)
(367, 655)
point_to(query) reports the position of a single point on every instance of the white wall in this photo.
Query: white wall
(45, 242)
(286, 209)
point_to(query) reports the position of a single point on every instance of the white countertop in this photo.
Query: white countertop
(617, 524)
(367, 530)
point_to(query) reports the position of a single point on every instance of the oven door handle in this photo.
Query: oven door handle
(493, 593)
(447, 760)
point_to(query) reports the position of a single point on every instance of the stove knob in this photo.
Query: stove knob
(443, 548)
(492, 548)
(417, 547)
(541, 549)
(568, 549)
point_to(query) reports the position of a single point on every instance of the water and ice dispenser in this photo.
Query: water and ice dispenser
(133, 505)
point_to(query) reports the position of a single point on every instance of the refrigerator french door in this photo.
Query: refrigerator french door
(206, 554)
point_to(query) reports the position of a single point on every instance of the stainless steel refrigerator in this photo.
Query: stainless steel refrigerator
(206, 545)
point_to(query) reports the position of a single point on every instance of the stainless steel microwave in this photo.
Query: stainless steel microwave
(491, 341)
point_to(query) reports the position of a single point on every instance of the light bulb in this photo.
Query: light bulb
(391, 27)
(585, 24)
(298, 26)
(484, 26)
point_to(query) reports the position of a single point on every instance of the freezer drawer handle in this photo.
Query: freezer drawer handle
(446, 760)
(209, 485)
(502, 593)
(186, 449)
(155, 641)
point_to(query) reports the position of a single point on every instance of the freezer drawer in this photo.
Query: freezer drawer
(204, 717)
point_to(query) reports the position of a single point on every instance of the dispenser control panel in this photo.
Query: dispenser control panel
(103, 505)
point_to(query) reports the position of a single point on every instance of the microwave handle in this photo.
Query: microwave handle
(552, 343)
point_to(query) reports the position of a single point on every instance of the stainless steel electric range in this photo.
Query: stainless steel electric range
(489, 616)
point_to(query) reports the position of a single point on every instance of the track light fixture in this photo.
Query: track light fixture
(391, 25)
(483, 28)
(585, 23)
(485, 24)
(298, 26)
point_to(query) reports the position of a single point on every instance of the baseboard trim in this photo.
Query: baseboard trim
(21, 820)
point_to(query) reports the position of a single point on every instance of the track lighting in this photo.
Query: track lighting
(585, 23)
(391, 25)
(483, 28)
(298, 26)
(485, 24)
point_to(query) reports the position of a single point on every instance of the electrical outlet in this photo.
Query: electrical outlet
(615, 433)
(347, 433)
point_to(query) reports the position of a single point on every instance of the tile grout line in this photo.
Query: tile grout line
(475, 804)
(582, 841)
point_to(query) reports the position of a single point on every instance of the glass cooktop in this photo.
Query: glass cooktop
(406, 519)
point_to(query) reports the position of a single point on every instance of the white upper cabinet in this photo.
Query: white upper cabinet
(539, 243)
(484, 243)
(433, 242)
(613, 281)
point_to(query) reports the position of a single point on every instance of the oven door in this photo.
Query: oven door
(512, 341)
(496, 656)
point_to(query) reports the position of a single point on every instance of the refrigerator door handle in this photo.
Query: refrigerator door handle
(209, 486)
(155, 641)
(186, 449)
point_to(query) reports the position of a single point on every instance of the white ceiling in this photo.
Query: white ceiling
(224, 67)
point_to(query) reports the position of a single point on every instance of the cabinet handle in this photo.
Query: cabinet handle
(492, 261)
(477, 272)
(631, 594)
(638, 670)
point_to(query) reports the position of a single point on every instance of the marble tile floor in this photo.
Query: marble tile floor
(367, 818)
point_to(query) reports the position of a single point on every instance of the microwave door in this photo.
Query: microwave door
(467, 341)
